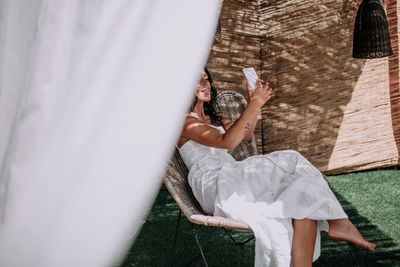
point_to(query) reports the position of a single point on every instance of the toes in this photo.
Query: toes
(368, 245)
(371, 246)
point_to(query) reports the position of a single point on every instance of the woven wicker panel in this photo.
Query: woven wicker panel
(392, 10)
(239, 48)
(339, 112)
(332, 108)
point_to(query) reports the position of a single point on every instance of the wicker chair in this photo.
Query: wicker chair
(231, 104)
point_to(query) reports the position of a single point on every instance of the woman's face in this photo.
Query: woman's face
(203, 89)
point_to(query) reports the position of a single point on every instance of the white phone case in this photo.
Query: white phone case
(251, 76)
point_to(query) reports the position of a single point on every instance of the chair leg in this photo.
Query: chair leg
(198, 244)
(171, 257)
(240, 244)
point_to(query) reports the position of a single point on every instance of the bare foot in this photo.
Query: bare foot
(344, 229)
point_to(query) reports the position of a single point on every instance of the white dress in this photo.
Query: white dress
(265, 191)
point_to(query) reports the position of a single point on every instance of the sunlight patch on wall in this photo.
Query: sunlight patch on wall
(366, 133)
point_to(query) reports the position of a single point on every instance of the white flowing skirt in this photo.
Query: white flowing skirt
(267, 192)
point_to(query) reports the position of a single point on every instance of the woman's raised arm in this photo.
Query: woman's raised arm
(253, 121)
(205, 134)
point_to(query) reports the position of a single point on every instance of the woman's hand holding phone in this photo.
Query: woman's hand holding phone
(258, 90)
(261, 94)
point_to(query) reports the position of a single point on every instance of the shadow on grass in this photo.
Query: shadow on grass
(342, 253)
(152, 246)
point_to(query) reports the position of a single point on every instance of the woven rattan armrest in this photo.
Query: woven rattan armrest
(219, 222)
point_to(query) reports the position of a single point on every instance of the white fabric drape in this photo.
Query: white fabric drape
(92, 97)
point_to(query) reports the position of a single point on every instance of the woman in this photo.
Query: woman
(282, 196)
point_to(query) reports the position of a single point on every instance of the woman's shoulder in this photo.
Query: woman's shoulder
(194, 117)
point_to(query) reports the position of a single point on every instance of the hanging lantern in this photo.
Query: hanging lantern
(371, 31)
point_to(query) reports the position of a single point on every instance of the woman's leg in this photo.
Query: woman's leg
(303, 243)
(344, 229)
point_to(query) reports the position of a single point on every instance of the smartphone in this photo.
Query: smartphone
(251, 77)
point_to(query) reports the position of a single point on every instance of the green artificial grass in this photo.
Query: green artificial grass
(370, 198)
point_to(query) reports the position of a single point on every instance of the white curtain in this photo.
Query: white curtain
(92, 97)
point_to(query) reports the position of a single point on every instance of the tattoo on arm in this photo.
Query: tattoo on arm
(246, 129)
